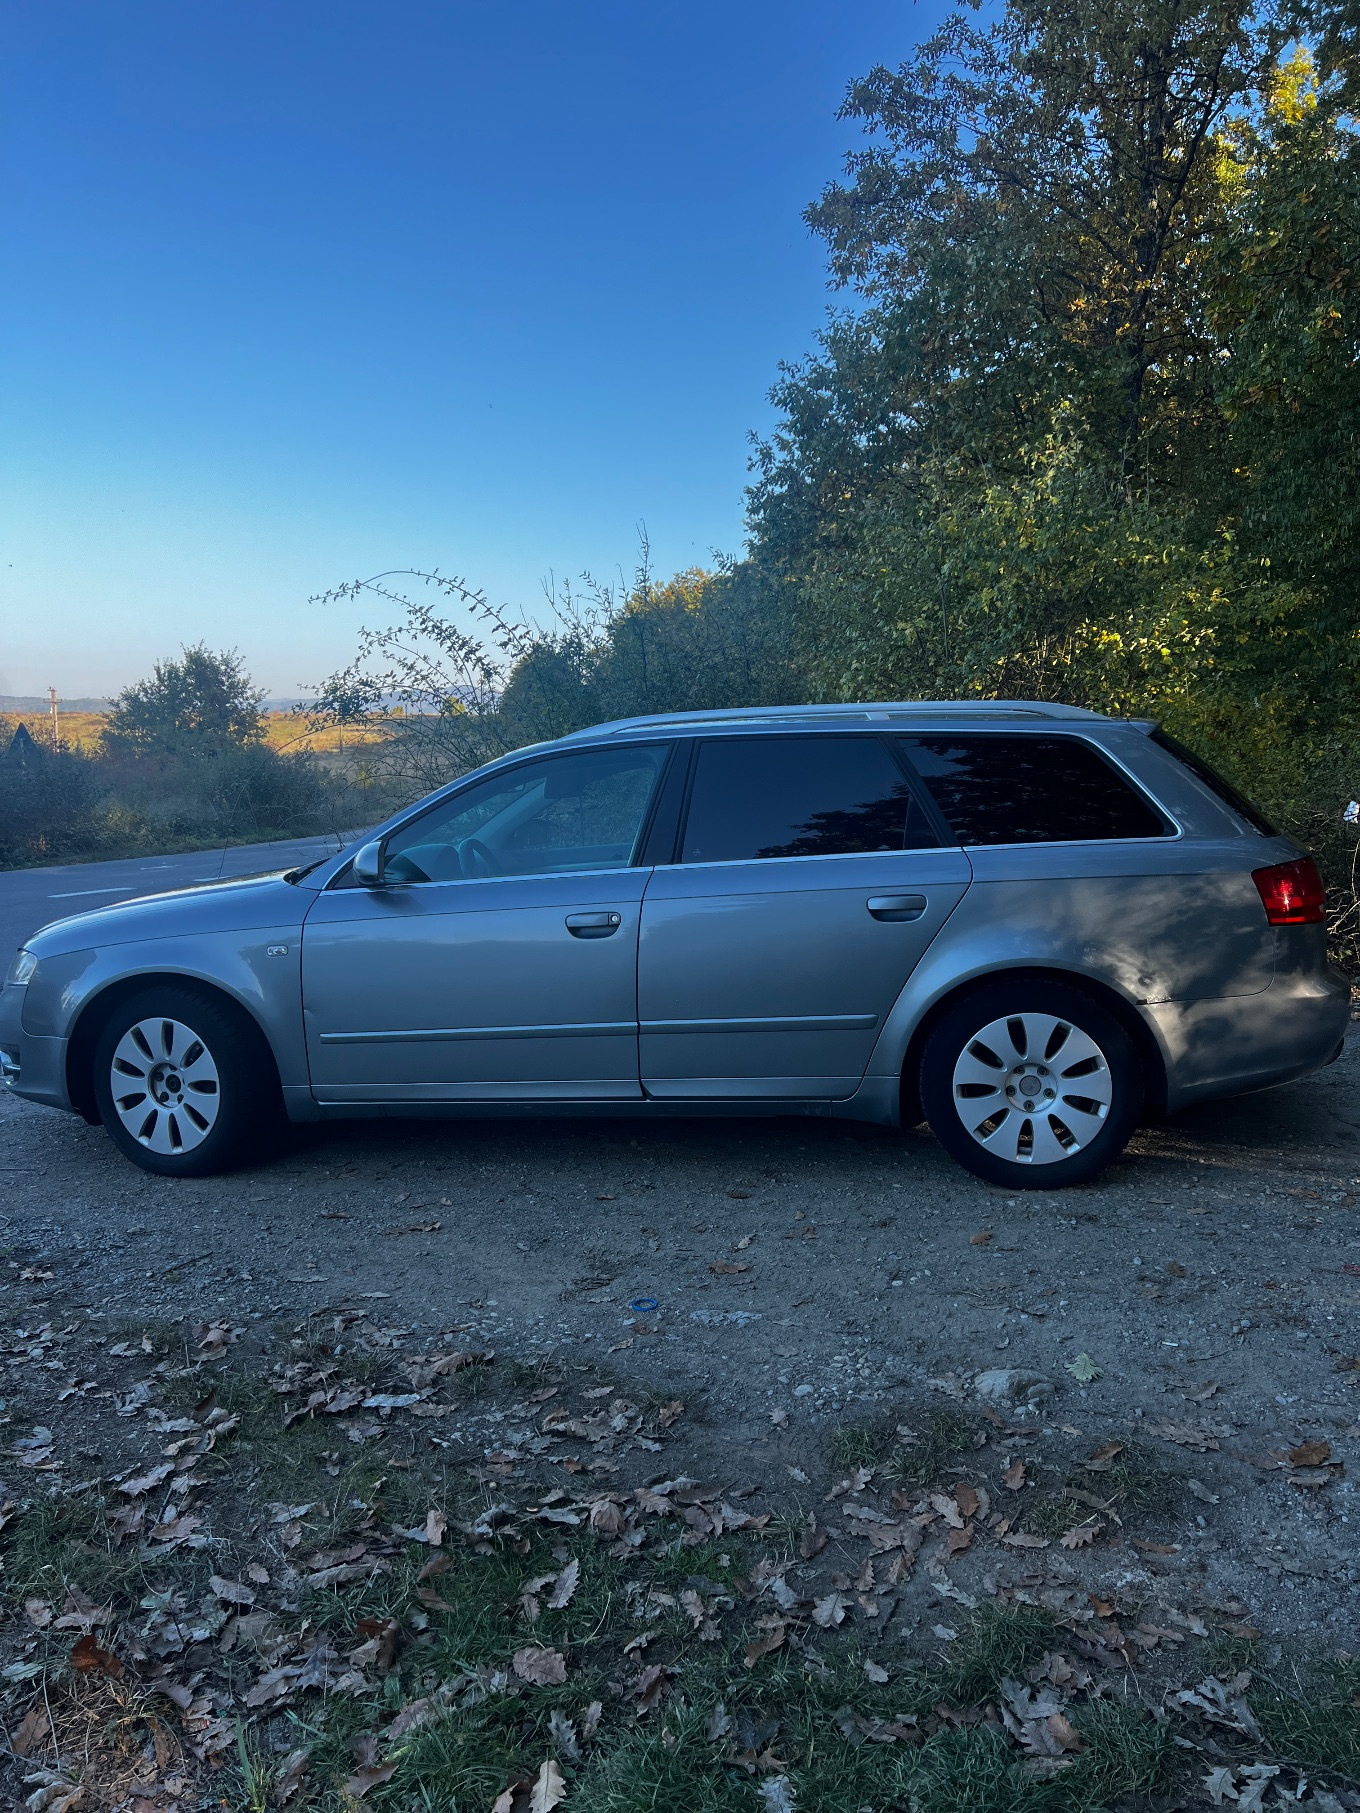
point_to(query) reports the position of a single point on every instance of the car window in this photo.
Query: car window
(565, 812)
(1031, 790)
(761, 797)
(1215, 782)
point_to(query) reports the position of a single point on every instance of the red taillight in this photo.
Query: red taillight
(1292, 893)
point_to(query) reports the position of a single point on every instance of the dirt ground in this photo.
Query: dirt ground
(1202, 1299)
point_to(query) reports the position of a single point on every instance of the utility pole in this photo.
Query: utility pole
(56, 718)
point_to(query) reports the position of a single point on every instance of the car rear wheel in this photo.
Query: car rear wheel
(182, 1085)
(1031, 1084)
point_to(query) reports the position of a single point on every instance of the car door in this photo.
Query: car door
(809, 879)
(498, 962)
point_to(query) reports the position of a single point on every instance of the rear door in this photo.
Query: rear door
(808, 880)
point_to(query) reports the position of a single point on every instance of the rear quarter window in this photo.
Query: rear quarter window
(1216, 784)
(1031, 790)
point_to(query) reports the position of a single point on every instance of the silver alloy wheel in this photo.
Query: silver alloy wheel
(165, 1086)
(1033, 1088)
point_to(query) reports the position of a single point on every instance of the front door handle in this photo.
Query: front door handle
(593, 925)
(896, 908)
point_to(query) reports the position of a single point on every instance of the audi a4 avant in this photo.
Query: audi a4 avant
(1028, 924)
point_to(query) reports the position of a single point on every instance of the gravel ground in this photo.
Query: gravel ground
(808, 1276)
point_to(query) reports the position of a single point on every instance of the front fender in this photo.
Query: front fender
(259, 969)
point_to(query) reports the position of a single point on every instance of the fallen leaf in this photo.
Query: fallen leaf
(435, 1525)
(89, 1658)
(144, 1482)
(373, 1777)
(32, 1728)
(540, 1667)
(830, 1611)
(1310, 1454)
(669, 1412)
(288, 1776)
(1185, 1435)
(38, 1612)
(549, 1790)
(565, 1586)
(982, 1239)
(725, 1269)
(1013, 1478)
(231, 1592)
(1084, 1369)
(877, 1674)
(1021, 1539)
(966, 1498)
(766, 1645)
(1081, 1534)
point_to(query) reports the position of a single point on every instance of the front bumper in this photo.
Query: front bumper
(32, 1065)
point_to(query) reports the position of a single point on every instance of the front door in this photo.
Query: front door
(810, 881)
(500, 964)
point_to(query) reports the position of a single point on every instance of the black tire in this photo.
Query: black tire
(185, 1083)
(977, 1089)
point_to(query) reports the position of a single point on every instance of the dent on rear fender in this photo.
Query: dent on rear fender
(1147, 938)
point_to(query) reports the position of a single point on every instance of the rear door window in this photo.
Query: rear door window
(1031, 790)
(763, 797)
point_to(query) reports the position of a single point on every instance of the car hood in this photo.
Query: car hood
(219, 906)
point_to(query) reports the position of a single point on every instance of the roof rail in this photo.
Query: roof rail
(874, 712)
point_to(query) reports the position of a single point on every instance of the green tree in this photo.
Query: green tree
(200, 705)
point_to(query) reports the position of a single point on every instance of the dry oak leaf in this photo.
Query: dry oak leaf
(32, 1728)
(231, 1592)
(373, 1777)
(1021, 1539)
(966, 1498)
(564, 1586)
(540, 1667)
(1081, 1534)
(435, 1525)
(669, 1412)
(764, 1646)
(830, 1611)
(1014, 1476)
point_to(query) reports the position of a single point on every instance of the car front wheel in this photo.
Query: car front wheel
(181, 1086)
(1031, 1084)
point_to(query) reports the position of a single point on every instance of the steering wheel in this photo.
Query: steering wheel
(478, 861)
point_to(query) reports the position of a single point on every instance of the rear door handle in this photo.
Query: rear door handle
(895, 908)
(593, 925)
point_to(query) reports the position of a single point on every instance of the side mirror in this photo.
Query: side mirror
(369, 863)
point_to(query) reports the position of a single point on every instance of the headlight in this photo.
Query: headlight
(21, 969)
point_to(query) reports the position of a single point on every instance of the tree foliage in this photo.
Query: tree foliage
(202, 704)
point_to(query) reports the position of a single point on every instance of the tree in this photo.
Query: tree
(199, 706)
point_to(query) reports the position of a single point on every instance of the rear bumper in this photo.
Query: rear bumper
(1244, 1042)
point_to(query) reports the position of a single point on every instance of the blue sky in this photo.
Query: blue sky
(298, 290)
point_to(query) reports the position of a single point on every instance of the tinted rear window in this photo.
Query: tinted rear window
(1030, 790)
(799, 796)
(1215, 782)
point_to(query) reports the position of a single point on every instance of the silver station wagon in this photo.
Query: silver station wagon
(1025, 923)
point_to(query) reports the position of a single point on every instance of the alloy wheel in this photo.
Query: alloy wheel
(165, 1086)
(1033, 1088)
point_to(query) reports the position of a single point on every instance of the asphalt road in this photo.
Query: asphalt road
(30, 898)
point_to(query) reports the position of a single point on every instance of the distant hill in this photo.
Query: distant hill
(26, 705)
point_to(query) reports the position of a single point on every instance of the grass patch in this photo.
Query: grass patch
(1321, 1732)
(998, 1641)
(947, 1435)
